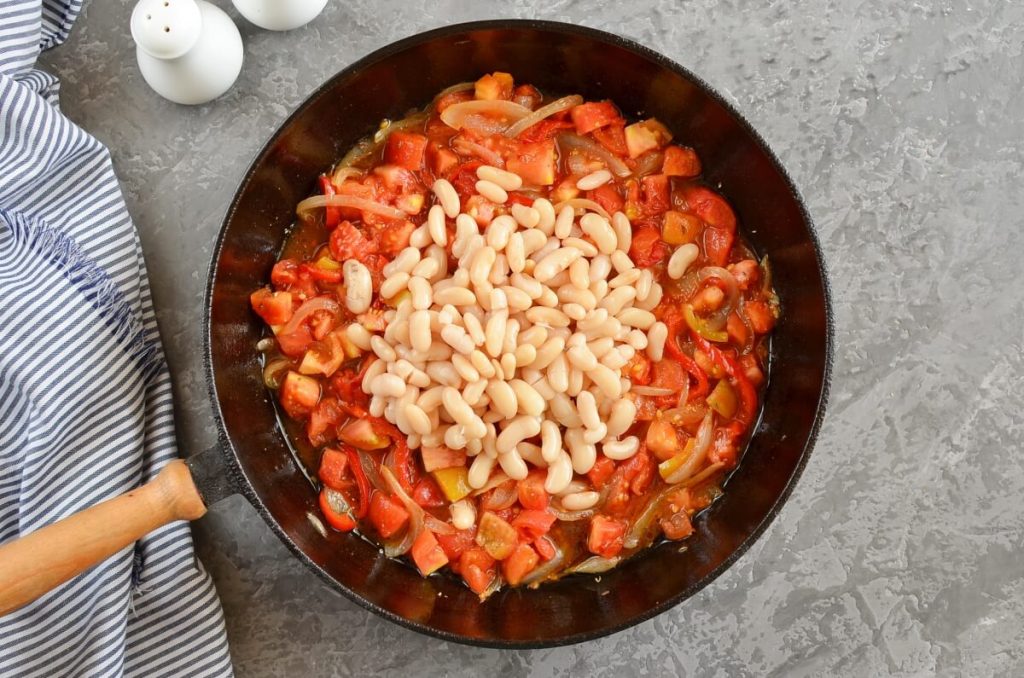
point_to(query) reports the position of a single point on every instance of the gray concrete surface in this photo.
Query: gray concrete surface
(900, 551)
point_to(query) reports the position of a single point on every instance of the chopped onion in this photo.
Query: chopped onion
(349, 201)
(641, 529)
(370, 469)
(699, 453)
(307, 309)
(496, 479)
(571, 516)
(343, 174)
(486, 117)
(272, 372)
(698, 478)
(504, 496)
(568, 141)
(595, 565)
(495, 584)
(458, 87)
(416, 516)
(651, 390)
(545, 570)
(583, 204)
(466, 147)
(532, 119)
(437, 526)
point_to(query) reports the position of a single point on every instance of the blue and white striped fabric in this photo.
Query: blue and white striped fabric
(85, 397)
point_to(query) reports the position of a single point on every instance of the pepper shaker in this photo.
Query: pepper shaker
(279, 15)
(189, 51)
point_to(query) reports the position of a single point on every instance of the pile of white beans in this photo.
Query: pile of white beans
(527, 337)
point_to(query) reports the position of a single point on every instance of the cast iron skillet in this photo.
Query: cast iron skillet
(253, 458)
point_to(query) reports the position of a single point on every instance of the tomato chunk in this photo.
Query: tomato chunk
(532, 494)
(496, 536)
(405, 149)
(427, 554)
(274, 307)
(495, 85)
(594, 114)
(477, 569)
(606, 535)
(333, 468)
(531, 524)
(711, 207)
(387, 514)
(536, 163)
(519, 564)
(456, 543)
(647, 248)
(441, 457)
(347, 242)
(600, 472)
(336, 510)
(681, 161)
(299, 395)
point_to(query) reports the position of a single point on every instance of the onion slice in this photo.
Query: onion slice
(651, 391)
(567, 141)
(545, 570)
(343, 174)
(595, 565)
(571, 516)
(583, 204)
(486, 117)
(699, 453)
(416, 516)
(272, 372)
(349, 201)
(496, 479)
(532, 119)
(308, 308)
(642, 526)
(437, 526)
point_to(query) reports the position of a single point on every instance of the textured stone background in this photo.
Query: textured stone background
(900, 551)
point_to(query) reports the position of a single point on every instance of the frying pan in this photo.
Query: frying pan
(253, 458)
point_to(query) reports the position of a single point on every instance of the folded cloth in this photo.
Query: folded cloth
(85, 396)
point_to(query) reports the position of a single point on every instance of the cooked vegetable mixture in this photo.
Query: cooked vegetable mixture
(517, 337)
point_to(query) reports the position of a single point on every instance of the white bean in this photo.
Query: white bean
(583, 454)
(594, 180)
(621, 449)
(358, 335)
(586, 405)
(498, 233)
(563, 222)
(513, 465)
(448, 197)
(420, 237)
(546, 213)
(598, 228)
(582, 357)
(558, 374)
(495, 333)
(579, 501)
(651, 301)
(518, 430)
(621, 261)
(621, 418)
(656, 337)
(358, 286)
(421, 292)
(376, 368)
(681, 260)
(643, 284)
(480, 470)
(606, 380)
(463, 514)
(623, 231)
(383, 349)
(456, 337)
(527, 217)
(403, 262)
(418, 419)
(492, 191)
(457, 296)
(503, 178)
(436, 225)
(503, 398)
(387, 386)
(555, 262)
(595, 435)
(636, 317)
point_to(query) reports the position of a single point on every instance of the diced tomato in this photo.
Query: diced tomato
(718, 244)
(362, 434)
(387, 514)
(441, 457)
(527, 96)
(760, 316)
(427, 554)
(331, 276)
(287, 274)
(606, 534)
(608, 197)
(545, 548)
(613, 138)
(600, 472)
(335, 510)
(617, 494)
(681, 161)
(710, 207)
(594, 114)
(655, 190)
(320, 324)
(441, 160)
(746, 272)
(669, 374)
(639, 471)
(519, 564)
(299, 395)
(723, 447)
(464, 178)
(737, 329)
(427, 494)
(322, 421)
(274, 307)
(662, 439)
(543, 130)
(294, 344)
(531, 524)
(456, 543)
(405, 149)
(534, 162)
(477, 569)
(493, 86)
(647, 248)
(496, 536)
(347, 242)
(638, 369)
(532, 494)
(333, 468)
(394, 237)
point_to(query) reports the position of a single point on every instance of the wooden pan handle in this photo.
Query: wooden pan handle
(40, 561)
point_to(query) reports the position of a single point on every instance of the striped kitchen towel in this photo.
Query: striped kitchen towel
(85, 396)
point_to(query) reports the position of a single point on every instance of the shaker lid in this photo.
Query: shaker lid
(166, 29)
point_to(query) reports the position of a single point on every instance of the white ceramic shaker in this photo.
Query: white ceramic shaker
(280, 15)
(189, 51)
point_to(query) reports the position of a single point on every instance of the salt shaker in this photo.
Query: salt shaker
(279, 15)
(189, 51)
